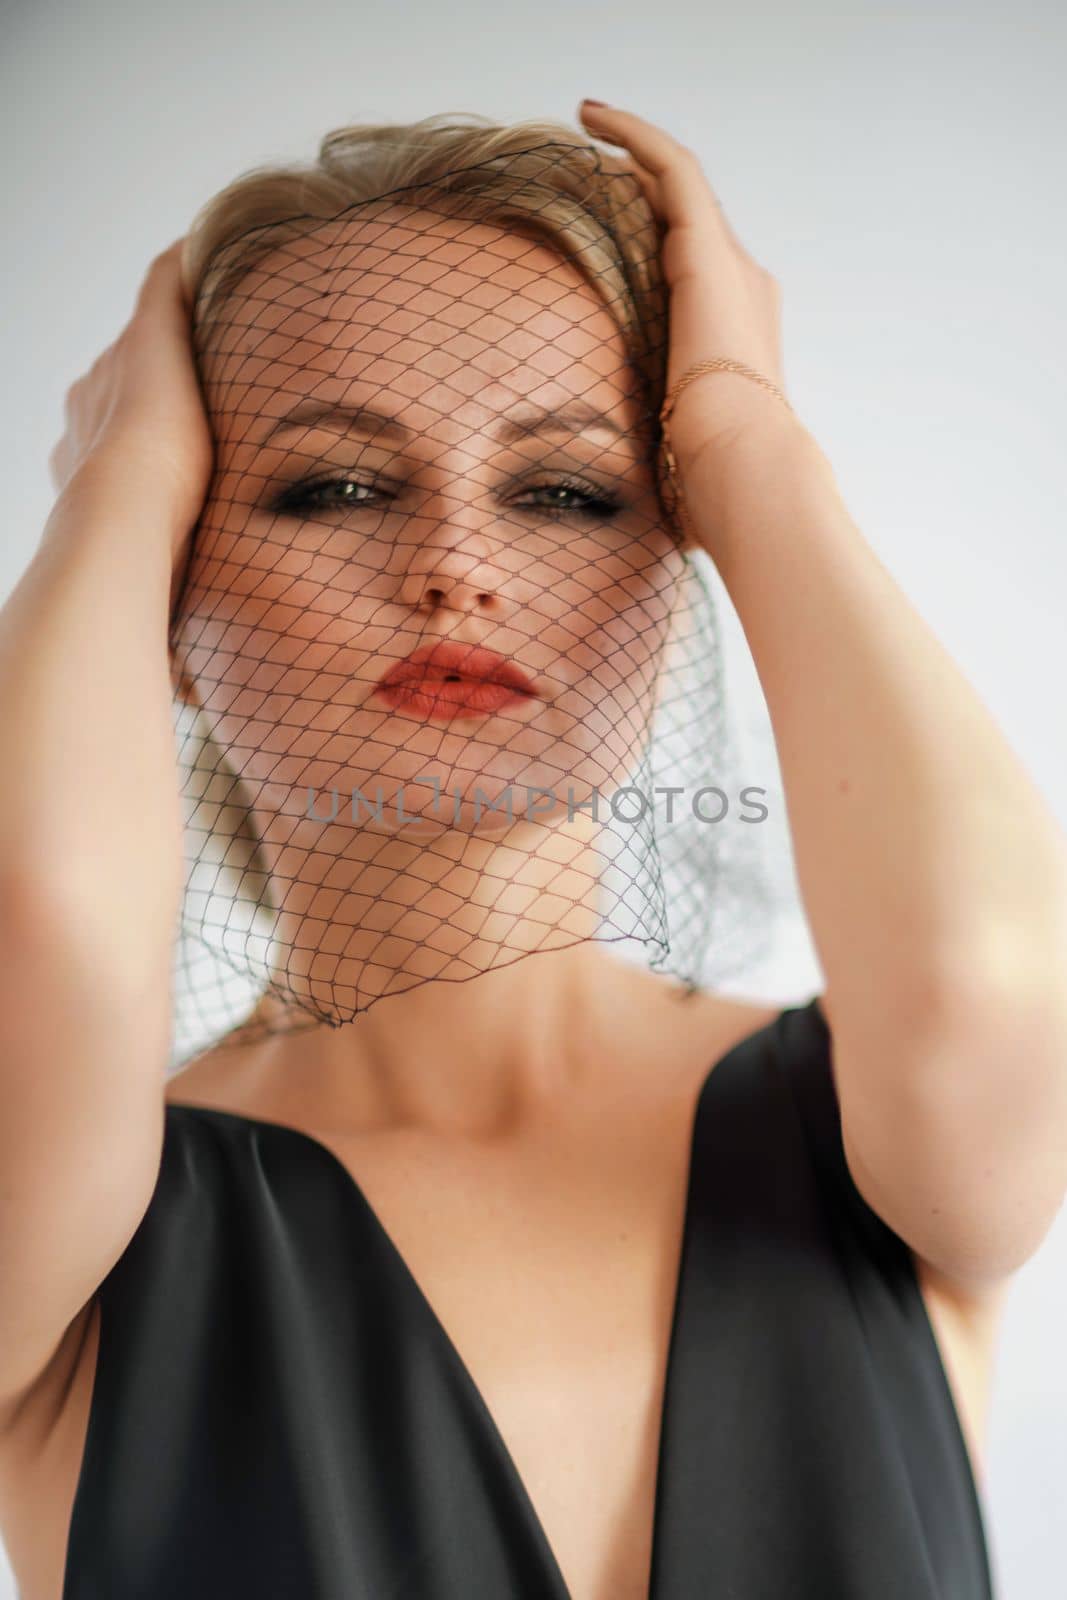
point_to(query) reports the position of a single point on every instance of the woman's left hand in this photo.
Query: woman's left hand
(722, 302)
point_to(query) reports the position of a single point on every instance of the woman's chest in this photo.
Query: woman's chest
(569, 1365)
(554, 1284)
(556, 1291)
(577, 1402)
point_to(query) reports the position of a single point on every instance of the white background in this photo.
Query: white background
(899, 168)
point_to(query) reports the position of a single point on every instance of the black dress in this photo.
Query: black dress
(278, 1413)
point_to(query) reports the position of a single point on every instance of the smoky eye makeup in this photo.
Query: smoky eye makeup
(551, 494)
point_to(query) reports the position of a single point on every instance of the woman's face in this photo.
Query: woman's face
(429, 443)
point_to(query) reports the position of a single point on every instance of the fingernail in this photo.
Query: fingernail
(597, 103)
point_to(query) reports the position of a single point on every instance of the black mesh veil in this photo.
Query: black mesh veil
(449, 682)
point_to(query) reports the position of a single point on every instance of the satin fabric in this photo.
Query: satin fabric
(278, 1413)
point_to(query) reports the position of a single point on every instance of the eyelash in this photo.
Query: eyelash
(301, 497)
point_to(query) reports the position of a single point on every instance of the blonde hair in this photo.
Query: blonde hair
(536, 177)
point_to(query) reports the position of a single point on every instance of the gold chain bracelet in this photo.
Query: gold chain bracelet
(716, 364)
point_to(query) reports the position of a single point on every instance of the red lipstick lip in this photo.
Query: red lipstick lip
(447, 661)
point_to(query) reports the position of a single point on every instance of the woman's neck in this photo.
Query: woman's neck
(467, 1059)
(498, 1015)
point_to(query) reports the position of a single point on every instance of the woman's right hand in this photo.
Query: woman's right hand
(137, 416)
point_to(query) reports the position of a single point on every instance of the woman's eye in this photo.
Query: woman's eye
(577, 499)
(310, 496)
(595, 504)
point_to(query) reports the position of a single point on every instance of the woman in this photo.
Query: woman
(542, 1284)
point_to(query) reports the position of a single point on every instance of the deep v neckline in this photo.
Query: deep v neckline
(443, 1339)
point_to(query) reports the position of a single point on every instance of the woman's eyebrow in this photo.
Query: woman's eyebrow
(577, 416)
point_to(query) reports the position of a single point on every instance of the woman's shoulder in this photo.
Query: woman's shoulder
(706, 1026)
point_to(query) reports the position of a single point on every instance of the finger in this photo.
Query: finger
(55, 466)
(654, 147)
(173, 249)
(683, 194)
(629, 167)
(162, 286)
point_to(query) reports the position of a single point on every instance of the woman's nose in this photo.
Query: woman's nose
(454, 569)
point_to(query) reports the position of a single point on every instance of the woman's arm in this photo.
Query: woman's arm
(932, 871)
(90, 835)
(933, 874)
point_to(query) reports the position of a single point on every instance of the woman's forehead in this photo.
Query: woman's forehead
(372, 277)
(436, 310)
